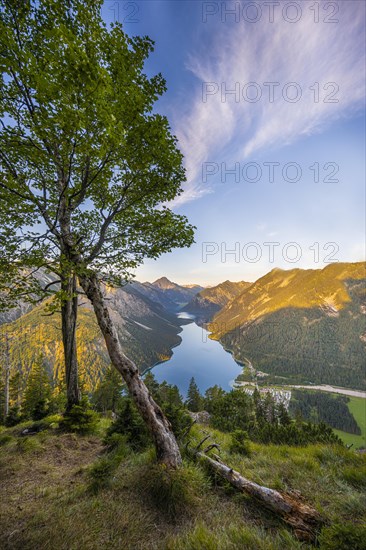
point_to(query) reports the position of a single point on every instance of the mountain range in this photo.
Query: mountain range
(293, 325)
(144, 314)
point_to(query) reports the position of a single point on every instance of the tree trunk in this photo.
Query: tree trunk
(69, 309)
(167, 449)
(304, 519)
(7, 377)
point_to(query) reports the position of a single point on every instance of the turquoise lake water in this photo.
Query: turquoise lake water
(198, 356)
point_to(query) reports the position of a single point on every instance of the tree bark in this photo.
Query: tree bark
(167, 449)
(304, 519)
(69, 309)
(7, 377)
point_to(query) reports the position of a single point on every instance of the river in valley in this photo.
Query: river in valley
(199, 357)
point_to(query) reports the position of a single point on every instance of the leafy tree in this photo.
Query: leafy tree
(194, 398)
(87, 170)
(38, 391)
(233, 411)
(108, 394)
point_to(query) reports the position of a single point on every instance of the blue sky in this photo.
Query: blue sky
(292, 132)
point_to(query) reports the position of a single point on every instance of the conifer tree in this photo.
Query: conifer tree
(108, 394)
(194, 398)
(38, 391)
(15, 389)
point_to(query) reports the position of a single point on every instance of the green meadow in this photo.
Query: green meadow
(357, 406)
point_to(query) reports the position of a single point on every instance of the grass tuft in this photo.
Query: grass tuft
(177, 493)
(343, 537)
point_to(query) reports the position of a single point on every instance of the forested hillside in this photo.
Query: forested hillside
(305, 325)
(147, 332)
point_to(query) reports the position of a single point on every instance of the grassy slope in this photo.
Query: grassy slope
(47, 502)
(357, 406)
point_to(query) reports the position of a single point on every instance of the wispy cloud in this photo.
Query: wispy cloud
(303, 52)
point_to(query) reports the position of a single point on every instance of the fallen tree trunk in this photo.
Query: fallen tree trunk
(304, 519)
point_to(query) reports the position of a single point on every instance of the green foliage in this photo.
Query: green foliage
(79, 108)
(175, 493)
(324, 407)
(263, 419)
(194, 399)
(59, 400)
(178, 417)
(130, 424)
(211, 396)
(169, 399)
(231, 411)
(5, 439)
(108, 395)
(355, 476)
(80, 419)
(343, 537)
(13, 417)
(295, 434)
(295, 338)
(240, 443)
(102, 471)
(38, 392)
(152, 385)
(16, 389)
(28, 445)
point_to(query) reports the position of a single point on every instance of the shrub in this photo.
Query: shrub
(130, 424)
(5, 439)
(13, 417)
(240, 443)
(179, 419)
(100, 474)
(80, 419)
(102, 470)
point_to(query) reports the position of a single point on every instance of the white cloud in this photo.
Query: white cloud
(304, 52)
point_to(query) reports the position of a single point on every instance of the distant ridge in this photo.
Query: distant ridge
(210, 300)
